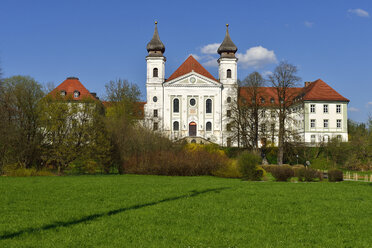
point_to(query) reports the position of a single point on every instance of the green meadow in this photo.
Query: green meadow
(161, 211)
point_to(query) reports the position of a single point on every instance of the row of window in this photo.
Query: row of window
(325, 108)
(228, 113)
(76, 93)
(325, 123)
(176, 105)
(325, 138)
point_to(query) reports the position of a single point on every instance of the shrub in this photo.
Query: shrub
(248, 166)
(307, 174)
(15, 170)
(190, 161)
(269, 168)
(282, 173)
(231, 170)
(335, 175)
(321, 163)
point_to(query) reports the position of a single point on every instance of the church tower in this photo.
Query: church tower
(154, 80)
(227, 72)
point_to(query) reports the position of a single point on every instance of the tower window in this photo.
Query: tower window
(228, 114)
(208, 106)
(155, 72)
(155, 126)
(176, 105)
(208, 126)
(228, 99)
(228, 127)
(228, 73)
(155, 99)
(155, 113)
(176, 126)
(192, 102)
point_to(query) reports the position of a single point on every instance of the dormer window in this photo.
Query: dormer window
(155, 72)
(76, 94)
(262, 100)
(63, 93)
(272, 100)
(228, 73)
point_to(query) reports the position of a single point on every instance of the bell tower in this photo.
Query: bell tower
(154, 81)
(227, 73)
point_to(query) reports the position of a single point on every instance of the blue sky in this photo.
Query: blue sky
(99, 41)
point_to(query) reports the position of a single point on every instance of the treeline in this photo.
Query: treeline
(43, 134)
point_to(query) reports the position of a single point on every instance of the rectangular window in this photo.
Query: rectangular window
(313, 138)
(272, 113)
(228, 127)
(338, 108)
(263, 128)
(339, 138)
(155, 126)
(339, 123)
(312, 123)
(155, 113)
(263, 113)
(325, 123)
(228, 113)
(312, 108)
(325, 108)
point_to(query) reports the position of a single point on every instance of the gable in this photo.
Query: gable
(191, 65)
(192, 79)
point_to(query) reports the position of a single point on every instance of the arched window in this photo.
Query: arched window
(176, 105)
(208, 106)
(155, 72)
(228, 73)
(208, 126)
(176, 126)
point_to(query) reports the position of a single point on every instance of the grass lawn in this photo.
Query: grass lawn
(158, 211)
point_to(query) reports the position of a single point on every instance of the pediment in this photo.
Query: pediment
(192, 79)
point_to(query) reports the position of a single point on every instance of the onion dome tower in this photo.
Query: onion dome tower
(155, 47)
(227, 48)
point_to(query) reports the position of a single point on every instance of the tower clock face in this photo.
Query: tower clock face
(192, 80)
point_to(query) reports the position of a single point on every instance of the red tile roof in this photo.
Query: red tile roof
(70, 85)
(320, 91)
(315, 91)
(188, 66)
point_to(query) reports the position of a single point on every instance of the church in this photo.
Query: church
(193, 105)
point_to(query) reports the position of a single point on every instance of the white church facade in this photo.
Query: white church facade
(191, 104)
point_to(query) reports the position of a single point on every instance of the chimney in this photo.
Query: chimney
(307, 83)
(94, 94)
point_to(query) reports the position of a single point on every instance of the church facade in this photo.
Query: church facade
(191, 104)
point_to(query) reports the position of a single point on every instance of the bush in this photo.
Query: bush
(307, 174)
(269, 168)
(248, 166)
(321, 164)
(282, 172)
(335, 175)
(15, 170)
(231, 170)
(192, 160)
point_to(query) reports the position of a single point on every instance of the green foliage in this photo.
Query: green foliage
(335, 175)
(307, 174)
(14, 170)
(20, 135)
(231, 170)
(282, 173)
(248, 166)
(322, 163)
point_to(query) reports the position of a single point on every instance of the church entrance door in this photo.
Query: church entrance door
(192, 129)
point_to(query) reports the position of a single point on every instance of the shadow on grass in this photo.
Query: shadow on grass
(109, 213)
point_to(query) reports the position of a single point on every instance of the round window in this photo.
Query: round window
(155, 99)
(192, 102)
(229, 99)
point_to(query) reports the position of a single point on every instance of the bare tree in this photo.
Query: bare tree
(283, 79)
(247, 111)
